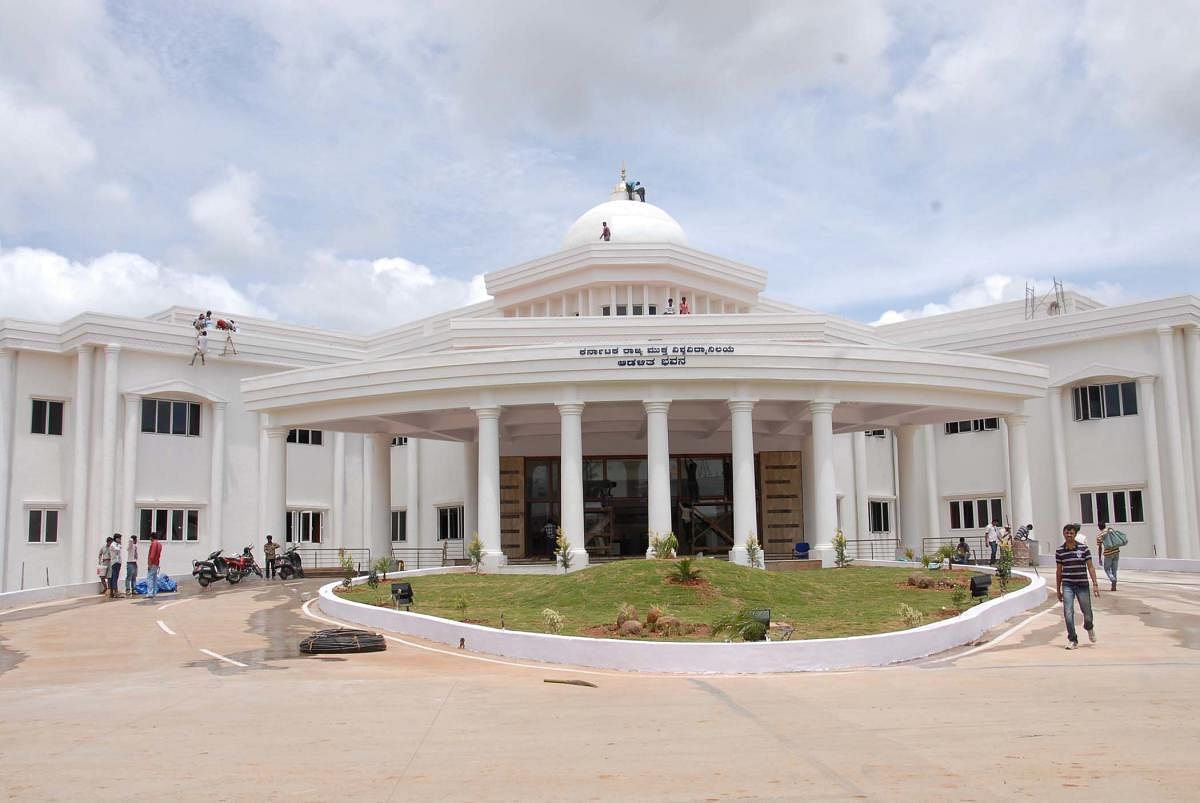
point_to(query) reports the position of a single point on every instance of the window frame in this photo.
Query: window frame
(399, 525)
(48, 405)
(298, 522)
(989, 424)
(165, 415)
(966, 509)
(45, 513)
(445, 519)
(1123, 505)
(879, 512)
(1096, 401)
(163, 520)
(306, 437)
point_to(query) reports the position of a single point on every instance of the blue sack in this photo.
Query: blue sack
(165, 583)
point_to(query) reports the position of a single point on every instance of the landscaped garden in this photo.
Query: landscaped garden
(601, 600)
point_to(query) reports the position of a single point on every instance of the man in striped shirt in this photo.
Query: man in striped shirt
(1073, 568)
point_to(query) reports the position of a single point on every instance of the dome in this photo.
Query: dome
(629, 222)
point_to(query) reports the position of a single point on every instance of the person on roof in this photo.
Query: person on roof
(605, 233)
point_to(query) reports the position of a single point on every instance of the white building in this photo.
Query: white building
(571, 396)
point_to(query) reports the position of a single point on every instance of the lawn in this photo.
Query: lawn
(831, 602)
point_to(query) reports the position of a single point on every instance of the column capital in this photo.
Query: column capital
(84, 348)
(820, 406)
(1148, 379)
(1165, 329)
(489, 413)
(657, 405)
(112, 348)
(216, 405)
(570, 408)
(741, 405)
(1016, 420)
(277, 432)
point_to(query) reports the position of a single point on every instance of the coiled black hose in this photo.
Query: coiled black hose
(342, 640)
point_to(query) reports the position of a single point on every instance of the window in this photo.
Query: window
(1114, 507)
(879, 516)
(399, 524)
(606, 310)
(308, 437)
(43, 526)
(637, 309)
(173, 524)
(622, 309)
(972, 425)
(968, 514)
(170, 417)
(399, 440)
(450, 523)
(47, 417)
(652, 309)
(304, 526)
(1104, 401)
(876, 433)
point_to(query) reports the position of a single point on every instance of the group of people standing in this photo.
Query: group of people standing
(114, 555)
(202, 324)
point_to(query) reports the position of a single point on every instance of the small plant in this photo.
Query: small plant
(626, 613)
(908, 553)
(475, 553)
(346, 562)
(754, 552)
(1004, 565)
(928, 560)
(382, 566)
(663, 547)
(373, 579)
(959, 598)
(920, 580)
(741, 624)
(552, 621)
(945, 553)
(685, 570)
(910, 615)
(460, 605)
(562, 550)
(839, 550)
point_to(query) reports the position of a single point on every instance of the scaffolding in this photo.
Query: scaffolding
(1055, 301)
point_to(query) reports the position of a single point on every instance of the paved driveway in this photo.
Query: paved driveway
(204, 696)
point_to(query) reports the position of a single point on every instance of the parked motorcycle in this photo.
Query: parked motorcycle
(289, 564)
(241, 566)
(211, 569)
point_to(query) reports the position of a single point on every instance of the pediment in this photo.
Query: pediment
(177, 389)
(1097, 371)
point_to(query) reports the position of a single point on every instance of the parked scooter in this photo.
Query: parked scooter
(211, 569)
(241, 566)
(289, 565)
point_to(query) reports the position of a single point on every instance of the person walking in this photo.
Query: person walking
(605, 233)
(131, 569)
(270, 551)
(1073, 567)
(1108, 546)
(153, 560)
(104, 564)
(115, 558)
(993, 534)
(201, 347)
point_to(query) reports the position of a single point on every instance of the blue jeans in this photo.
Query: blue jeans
(1072, 592)
(114, 574)
(994, 545)
(151, 581)
(130, 577)
(1110, 567)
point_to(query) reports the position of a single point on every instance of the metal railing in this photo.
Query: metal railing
(872, 548)
(977, 544)
(414, 557)
(331, 557)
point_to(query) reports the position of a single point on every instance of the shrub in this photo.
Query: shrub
(928, 560)
(685, 571)
(741, 624)
(562, 550)
(663, 547)
(626, 613)
(959, 598)
(552, 620)
(346, 562)
(475, 553)
(754, 552)
(908, 553)
(382, 566)
(910, 615)
(945, 552)
(1004, 565)
(373, 579)
(839, 550)
(653, 615)
(632, 627)
(920, 580)
(670, 626)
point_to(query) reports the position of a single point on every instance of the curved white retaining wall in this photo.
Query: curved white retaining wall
(691, 657)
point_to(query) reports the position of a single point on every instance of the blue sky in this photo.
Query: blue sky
(358, 164)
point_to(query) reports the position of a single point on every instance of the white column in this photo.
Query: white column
(1191, 355)
(862, 516)
(933, 505)
(338, 512)
(412, 497)
(1018, 451)
(1062, 482)
(82, 564)
(379, 537)
(1179, 521)
(7, 391)
(571, 479)
(126, 520)
(275, 502)
(745, 508)
(824, 479)
(264, 463)
(658, 469)
(471, 489)
(1152, 496)
(108, 437)
(489, 485)
(216, 482)
(909, 482)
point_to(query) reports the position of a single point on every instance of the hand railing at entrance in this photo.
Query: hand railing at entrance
(423, 557)
(976, 543)
(872, 548)
(331, 557)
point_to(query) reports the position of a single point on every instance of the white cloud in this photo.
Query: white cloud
(42, 285)
(39, 144)
(113, 192)
(225, 214)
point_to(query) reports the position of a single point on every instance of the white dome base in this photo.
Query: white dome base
(629, 222)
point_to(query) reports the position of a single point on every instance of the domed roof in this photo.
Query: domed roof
(629, 222)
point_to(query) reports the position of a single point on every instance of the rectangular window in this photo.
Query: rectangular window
(652, 309)
(972, 425)
(879, 516)
(606, 310)
(637, 309)
(47, 417)
(450, 523)
(1122, 506)
(399, 523)
(967, 514)
(875, 433)
(622, 309)
(43, 526)
(170, 417)
(304, 526)
(399, 440)
(1104, 401)
(306, 437)
(172, 524)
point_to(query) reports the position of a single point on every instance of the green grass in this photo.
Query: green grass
(831, 602)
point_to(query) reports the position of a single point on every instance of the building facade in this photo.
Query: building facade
(616, 389)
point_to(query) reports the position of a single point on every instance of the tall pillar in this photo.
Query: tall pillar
(1191, 354)
(275, 502)
(80, 438)
(571, 479)
(127, 521)
(1152, 497)
(933, 504)
(338, 505)
(1179, 521)
(216, 478)
(412, 497)
(909, 481)
(745, 509)
(379, 536)
(1018, 451)
(108, 438)
(471, 489)
(1062, 483)
(862, 513)
(264, 463)
(7, 395)
(489, 486)
(658, 469)
(824, 480)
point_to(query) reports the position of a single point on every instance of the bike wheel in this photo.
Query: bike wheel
(203, 580)
(233, 578)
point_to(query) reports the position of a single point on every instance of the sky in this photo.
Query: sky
(356, 164)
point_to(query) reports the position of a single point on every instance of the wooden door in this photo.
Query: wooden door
(512, 506)
(781, 502)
